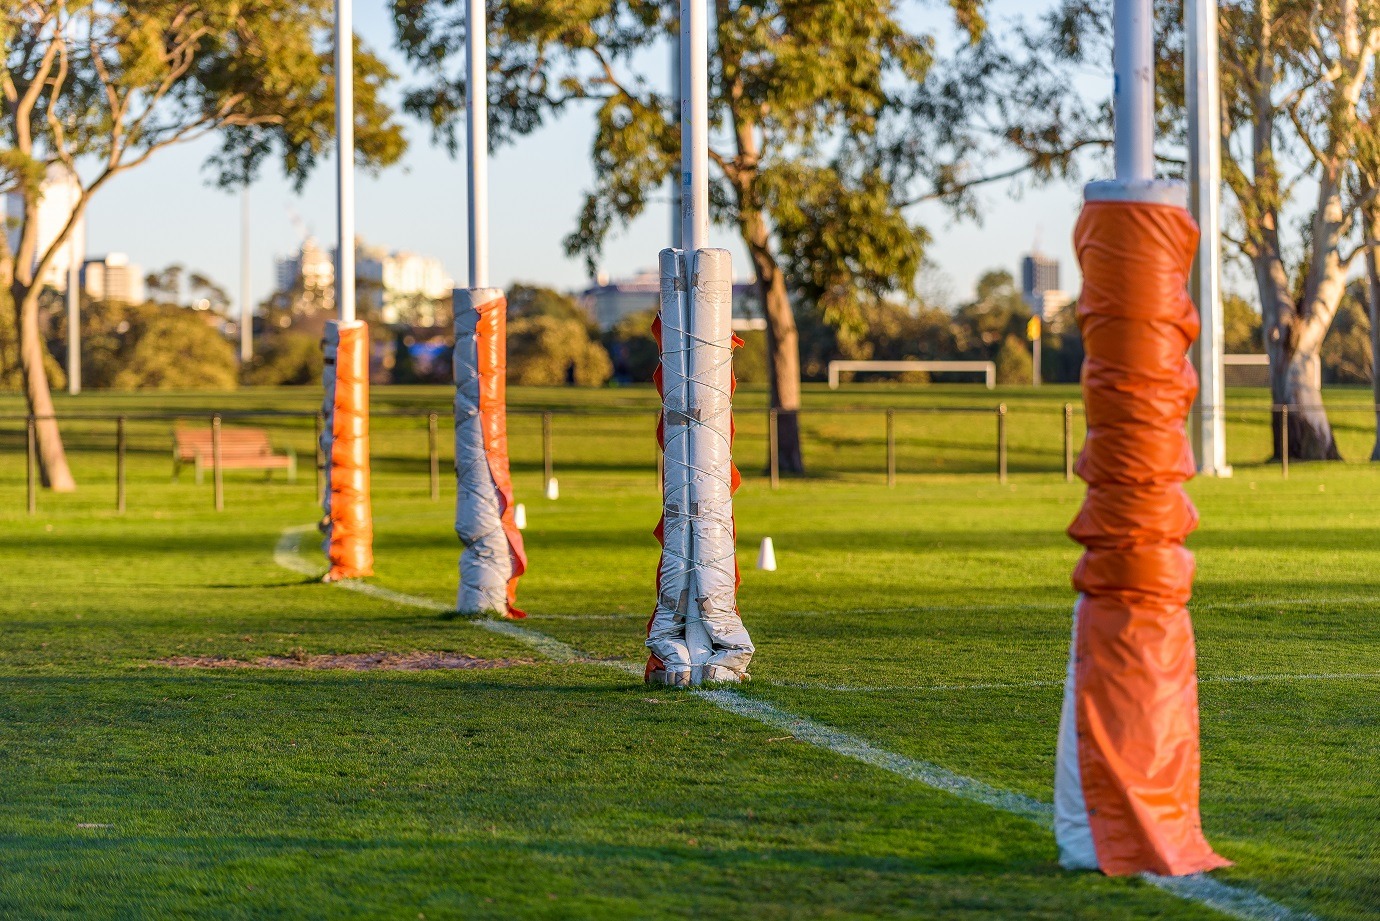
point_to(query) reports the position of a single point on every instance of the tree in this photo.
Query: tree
(111, 82)
(1297, 136)
(805, 101)
(547, 350)
(1241, 332)
(167, 282)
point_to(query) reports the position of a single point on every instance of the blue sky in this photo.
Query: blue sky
(166, 212)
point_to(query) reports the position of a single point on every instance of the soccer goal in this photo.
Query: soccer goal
(988, 369)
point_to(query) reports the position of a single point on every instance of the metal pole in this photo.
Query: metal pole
(1068, 442)
(477, 138)
(1284, 440)
(677, 79)
(433, 456)
(548, 463)
(31, 468)
(1036, 375)
(1133, 59)
(1001, 443)
(246, 308)
(694, 121)
(773, 443)
(891, 447)
(73, 317)
(345, 157)
(1209, 425)
(120, 465)
(216, 473)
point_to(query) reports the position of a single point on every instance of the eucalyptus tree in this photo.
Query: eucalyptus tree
(1298, 143)
(807, 102)
(97, 87)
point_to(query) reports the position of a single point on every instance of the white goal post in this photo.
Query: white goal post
(986, 368)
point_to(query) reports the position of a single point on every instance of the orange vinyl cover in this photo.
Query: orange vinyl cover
(492, 343)
(1136, 685)
(351, 549)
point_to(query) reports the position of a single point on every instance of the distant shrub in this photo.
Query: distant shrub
(286, 358)
(172, 348)
(546, 350)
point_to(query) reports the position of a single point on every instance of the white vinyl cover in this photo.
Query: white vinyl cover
(330, 346)
(485, 563)
(1072, 831)
(696, 631)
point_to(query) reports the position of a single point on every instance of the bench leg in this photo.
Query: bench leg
(199, 471)
(292, 468)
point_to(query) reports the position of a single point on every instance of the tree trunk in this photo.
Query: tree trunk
(783, 344)
(1373, 302)
(1296, 382)
(52, 458)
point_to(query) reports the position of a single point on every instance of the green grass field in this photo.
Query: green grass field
(930, 620)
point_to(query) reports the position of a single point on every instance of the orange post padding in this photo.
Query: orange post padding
(1136, 690)
(491, 333)
(351, 544)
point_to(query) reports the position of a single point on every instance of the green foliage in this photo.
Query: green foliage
(535, 301)
(750, 359)
(11, 378)
(550, 350)
(633, 348)
(1014, 365)
(1346, 352)
(1240, 326)
(285, 356)
(171, 348)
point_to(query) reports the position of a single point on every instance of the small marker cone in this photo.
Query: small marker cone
(553, 489)
(766, 557)
(520, 516)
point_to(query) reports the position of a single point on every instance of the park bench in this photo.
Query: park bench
(240, 449)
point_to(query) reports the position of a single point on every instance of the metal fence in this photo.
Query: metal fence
(998, 426)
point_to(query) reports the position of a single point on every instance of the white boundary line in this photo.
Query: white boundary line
(1232, 901)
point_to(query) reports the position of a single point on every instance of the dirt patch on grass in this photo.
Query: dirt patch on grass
(355, 662)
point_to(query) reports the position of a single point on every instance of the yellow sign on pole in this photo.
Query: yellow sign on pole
(1032, 329)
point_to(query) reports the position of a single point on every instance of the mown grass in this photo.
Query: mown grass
(135, 790)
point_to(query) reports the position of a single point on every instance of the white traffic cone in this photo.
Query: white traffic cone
(553, 489)
(520, 516)
(766, 557)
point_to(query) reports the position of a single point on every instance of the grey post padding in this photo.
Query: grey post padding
(330, 347)
(485, 563)
(696, 630)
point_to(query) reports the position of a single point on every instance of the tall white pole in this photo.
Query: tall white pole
(477, 136)
(1208, 425)
(694, 121)
(677, 81)
(1133, 59)
(246, 308)
(73, 315)
(345, 156)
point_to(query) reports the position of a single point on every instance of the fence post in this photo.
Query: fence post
(1001, 443)
(316, 453)
(891, 448)
(31, 468)
(433, 457)
(1068, 442)
(1284, 440)
(120, 465)
(548, 463)
(773, 446)
(216, 473)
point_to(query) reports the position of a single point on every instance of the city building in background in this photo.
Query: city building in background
(61, 192)
(397, 287)
(308, 276)
(610, 300)
(402, 287)
(1040, 285)
(114, 278)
